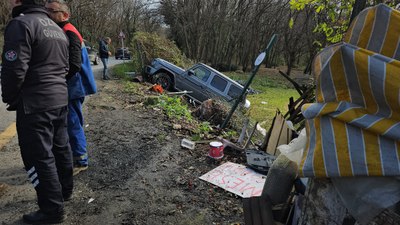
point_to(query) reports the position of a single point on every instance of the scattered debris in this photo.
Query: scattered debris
(157, 88)
(259, 160)
(237, 179)
(279, 134)
(216, 150)
(228, 144)
(212, 111)
(186, 143)
(179, 93)
(177, 127)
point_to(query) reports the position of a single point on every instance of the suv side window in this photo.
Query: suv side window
(202, 74)
(219, 83)
(234, 92)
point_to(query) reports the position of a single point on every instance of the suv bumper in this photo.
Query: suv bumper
(149, 72)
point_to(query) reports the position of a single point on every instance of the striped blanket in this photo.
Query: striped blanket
(354, 127)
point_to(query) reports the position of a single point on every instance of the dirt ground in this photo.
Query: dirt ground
(138, 172)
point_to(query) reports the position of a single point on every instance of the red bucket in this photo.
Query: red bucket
(216, 150)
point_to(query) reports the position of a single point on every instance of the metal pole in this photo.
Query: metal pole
(258, 62)
(123, 50)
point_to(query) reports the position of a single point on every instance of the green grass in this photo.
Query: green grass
(264, 105)
(120, 69)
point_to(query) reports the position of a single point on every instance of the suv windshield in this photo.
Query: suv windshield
(201, 74)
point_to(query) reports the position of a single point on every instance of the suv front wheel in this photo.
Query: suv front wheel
(164, 80)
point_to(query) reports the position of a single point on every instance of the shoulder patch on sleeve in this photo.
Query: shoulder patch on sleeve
(10, 55)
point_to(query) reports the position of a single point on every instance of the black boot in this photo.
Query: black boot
(40, 217)
(67, 197)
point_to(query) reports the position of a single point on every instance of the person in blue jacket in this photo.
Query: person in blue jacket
(104, 54)
(80, 82)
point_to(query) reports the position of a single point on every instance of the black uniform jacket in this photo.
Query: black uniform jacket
(34, 63)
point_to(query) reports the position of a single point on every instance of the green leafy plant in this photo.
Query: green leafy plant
(332, 17)
(131, 87)
(203, 128)
(174, 108)
(230, 134)
(196, 137)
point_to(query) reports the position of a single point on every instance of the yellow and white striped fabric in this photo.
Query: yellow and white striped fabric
(378, 30)
(354, 128)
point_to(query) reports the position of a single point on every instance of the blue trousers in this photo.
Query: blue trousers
(105, 66)
(77, 138)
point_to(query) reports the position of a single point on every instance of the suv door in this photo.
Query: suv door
(195, 80)
(218, 86)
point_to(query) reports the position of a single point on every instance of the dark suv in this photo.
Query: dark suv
(122, 53)
(201, 80)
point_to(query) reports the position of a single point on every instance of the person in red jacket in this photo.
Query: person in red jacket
(80, 82)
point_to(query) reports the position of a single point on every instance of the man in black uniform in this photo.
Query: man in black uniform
(34, 66)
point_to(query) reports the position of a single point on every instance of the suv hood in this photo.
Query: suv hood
(175, 69)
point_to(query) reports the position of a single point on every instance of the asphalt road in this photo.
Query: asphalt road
(6, 117)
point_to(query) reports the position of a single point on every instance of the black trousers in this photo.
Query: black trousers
(47, 156)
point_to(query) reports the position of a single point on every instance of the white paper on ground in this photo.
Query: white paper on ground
(237, 179)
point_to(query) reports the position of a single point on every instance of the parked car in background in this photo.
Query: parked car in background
(92, 52)
(201, 80)
(122, 53)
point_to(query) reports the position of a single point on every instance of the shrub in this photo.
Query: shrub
(148, 46)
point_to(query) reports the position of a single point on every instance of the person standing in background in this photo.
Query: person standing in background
(104, 54)
(34, 67)
(80, 82)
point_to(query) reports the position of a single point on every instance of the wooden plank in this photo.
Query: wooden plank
(280, 134)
